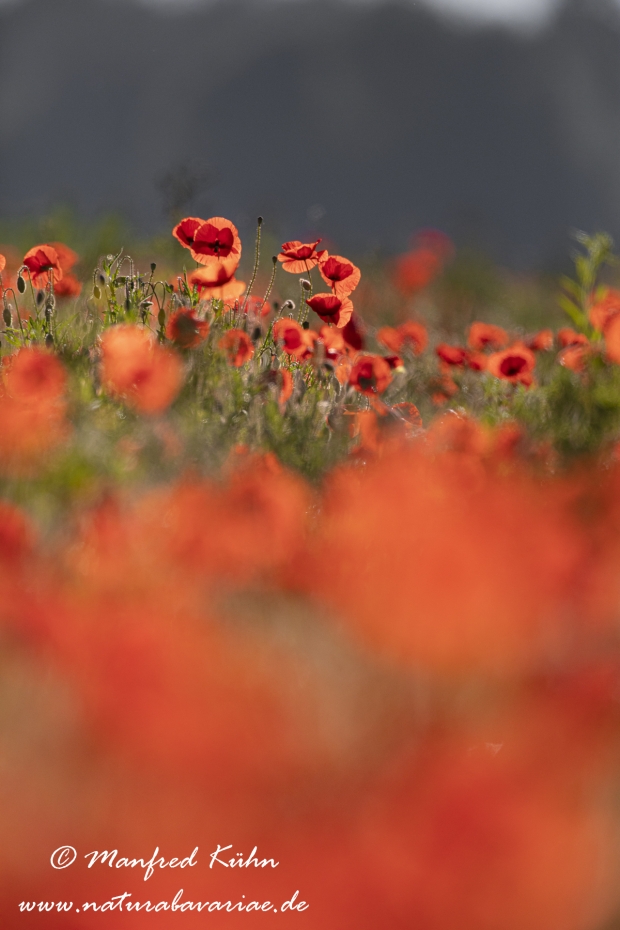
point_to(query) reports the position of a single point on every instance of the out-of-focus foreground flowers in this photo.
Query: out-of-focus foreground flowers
(401, 681)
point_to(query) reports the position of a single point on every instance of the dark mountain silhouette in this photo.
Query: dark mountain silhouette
(363, 122)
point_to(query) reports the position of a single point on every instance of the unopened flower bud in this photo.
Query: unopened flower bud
(100, 279)
(21, 284)
(96, 292)
(306, 324)
(161, 318)
(40, 297)
(49, 341)
(288, 305)
(305, 284)
(7, 316)
(153, 267)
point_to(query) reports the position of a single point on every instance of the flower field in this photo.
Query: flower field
(339, 586)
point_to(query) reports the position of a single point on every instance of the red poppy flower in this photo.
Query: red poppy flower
(370, 374)
(136, 368)
(217, 238)
(186, 230)
(185, 329)
(415, 270)
(603, 311)
(574, 357)
(66, 256)
(451, 355)
(296, 340)
(332, 309)
(485, 335)
(542, 341)
(612, 339)
(569, 337)
(515, 364)
(353, 333)
(41, 261)
(340, 274)
(34, 376)
(229, 288)
(69, 286)
(394, 361)
(299, 257)
(333, 340)
(238, 347)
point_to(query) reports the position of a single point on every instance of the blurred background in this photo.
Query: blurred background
(497, 121)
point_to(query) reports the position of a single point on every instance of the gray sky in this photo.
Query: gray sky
(517, 11)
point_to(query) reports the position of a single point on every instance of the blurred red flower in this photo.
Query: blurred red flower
(238, 347)
(185, 329)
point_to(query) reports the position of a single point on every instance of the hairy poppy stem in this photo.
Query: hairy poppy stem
(271, 281)
(256, 264)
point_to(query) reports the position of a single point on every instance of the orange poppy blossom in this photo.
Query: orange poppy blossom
(604, 309)
(409, 334)
(32, 409)
(2, 263)
(215, 283)
(612, 339)
(66, 256)
(570, 337)
(541, 342)
(43, 261)
(333, 340)
(299, 257)
(185, 329)
(574, 357)
(332, 309)
(455, 356)
(295, 340)
(340, 274)
(415, 270)
(486, 336)
(515, 364)
(136, 369)
(370, 374)
(238, 347)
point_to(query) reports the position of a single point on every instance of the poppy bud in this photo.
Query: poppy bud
(161, 317)
(288, 305)
(127, 304)
(49, 341)
(6, 315)
(100, 279)
(153, 267)
(305, 284)
(256, 334)
(306, 324)
(40, 297)
(96, 293)
(21, 285)
(260, 221)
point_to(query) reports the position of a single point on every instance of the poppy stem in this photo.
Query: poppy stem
(271, 281)
(256, 264)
